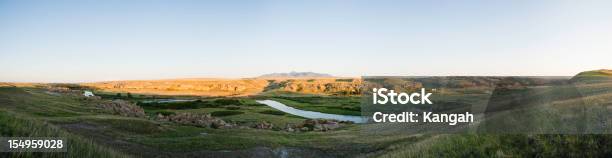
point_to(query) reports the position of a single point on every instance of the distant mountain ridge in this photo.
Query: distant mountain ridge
(294, 74)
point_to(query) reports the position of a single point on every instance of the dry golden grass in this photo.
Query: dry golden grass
(230, 87)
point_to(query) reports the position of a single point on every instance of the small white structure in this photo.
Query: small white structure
(88, 94)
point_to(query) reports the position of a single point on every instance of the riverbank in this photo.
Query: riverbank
(341, 105)
(312, 114)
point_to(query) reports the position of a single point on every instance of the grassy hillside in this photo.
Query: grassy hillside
(602, 72)
(515, 145)
(595, 76)
(17, 124)
(38, 112)
(592, 91)
(12, 125)
(95, 132)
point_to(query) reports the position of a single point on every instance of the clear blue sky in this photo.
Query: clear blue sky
(77, 41)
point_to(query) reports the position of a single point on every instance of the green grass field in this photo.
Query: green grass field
(144, 137)
(348, 105)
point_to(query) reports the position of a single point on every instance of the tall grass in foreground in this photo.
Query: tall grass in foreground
(508, 145)
(13, 125)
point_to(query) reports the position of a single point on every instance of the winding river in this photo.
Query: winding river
(311, 114)
(284, 108)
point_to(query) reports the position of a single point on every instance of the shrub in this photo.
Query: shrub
(177, 105)
(166, 113)
(227, 102)
(344, 80)
(225, 113)
(272, 112)
(352, 108)
(198, 104)
(232, 107)
(255, 104)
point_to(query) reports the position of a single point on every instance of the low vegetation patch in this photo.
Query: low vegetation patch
(332, 105)
(213, 103)
(232, 107)
(227, 102)
(165, 113)
(516, 145)
(272, 112)
(225, 113)
(344, 80)
(129, 125)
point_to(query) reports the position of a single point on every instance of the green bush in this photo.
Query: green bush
(223, 102)
(352, 108)
(166, 113)
(227, 102)
(254, 104)
(225, 113)
(232, 107)
(179, 105)
(272, 112)
(198, 104)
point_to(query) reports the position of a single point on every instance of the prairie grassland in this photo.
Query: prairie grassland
(93, 132)
(77, 118)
